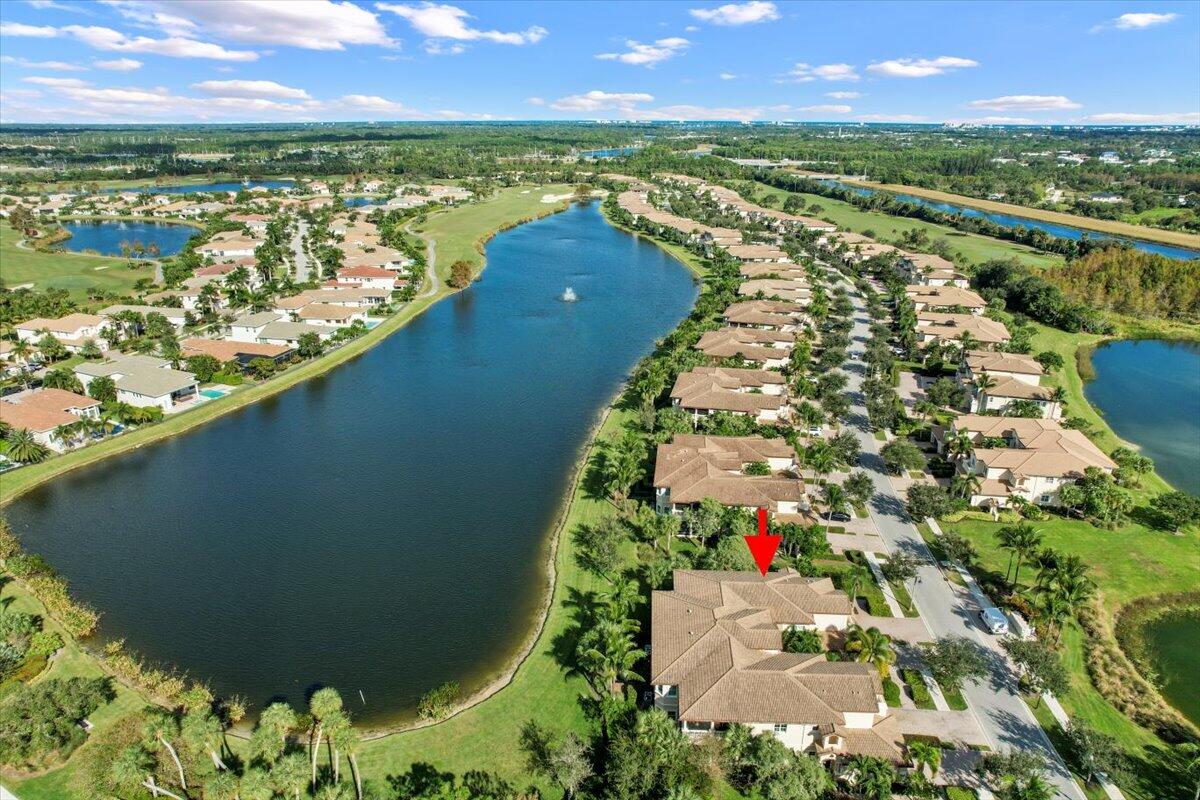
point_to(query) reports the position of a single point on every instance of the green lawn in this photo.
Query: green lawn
(965, 248)
(71, 271)
(459, 232)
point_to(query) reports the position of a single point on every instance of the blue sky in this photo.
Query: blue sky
(280, 60)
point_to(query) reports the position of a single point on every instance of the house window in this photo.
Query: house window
(781, 727)
(1045, 498)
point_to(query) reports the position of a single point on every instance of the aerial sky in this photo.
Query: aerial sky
(322, 60)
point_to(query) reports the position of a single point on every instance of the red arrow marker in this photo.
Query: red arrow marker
(764, 545)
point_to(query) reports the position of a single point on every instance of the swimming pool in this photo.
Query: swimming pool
(213, 394)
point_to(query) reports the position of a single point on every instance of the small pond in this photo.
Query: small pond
(107, 237)
(1174, 645)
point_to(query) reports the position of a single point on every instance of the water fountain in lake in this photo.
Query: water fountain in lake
(569, 296)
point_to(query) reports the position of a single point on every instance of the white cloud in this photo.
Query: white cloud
(59, 66)
(439, 21)
(728, 76)
(1025, 102)
(21, 29)
(174, 46)
(803, 73)
(1124, 118)
(438, 47)
(597, 100)
(647, 55)
(535, 101)
(843, 95)
(372, 103)
(737, 13)
(250, 89)
(891, 117)
(691, 29)
(56, 83)
(118, 64)
(308, 24)
(825, 109)
(1135, 22)
(920, 67)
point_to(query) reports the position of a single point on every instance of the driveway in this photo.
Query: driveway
(1002, 715)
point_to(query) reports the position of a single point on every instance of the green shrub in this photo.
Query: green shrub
(891, 693)
(228, 378)
(916, 686)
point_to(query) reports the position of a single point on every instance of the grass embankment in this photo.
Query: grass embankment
(1109, 226)
(964, 247)
(74, 272)
(462, 232)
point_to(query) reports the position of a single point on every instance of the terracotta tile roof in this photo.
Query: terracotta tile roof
(694, 467)
(716, 637)
(43, 410)
(986, 361)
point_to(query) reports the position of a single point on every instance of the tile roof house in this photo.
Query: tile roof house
(746, 392)
(769, 314)
(42, 411)
(1038, 457)
(940, 298)
(795, 291)
(692, 467)
(717, 658)
(933, 326)
(73, 330)
(765, 347)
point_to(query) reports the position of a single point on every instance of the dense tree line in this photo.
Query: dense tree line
(1134, 282)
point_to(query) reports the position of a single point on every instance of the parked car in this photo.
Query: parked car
(995, 622)
(839, 516)
(815, 430)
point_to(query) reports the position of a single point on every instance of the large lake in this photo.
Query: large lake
(383, 528)
(1149, 393)
(106, 236)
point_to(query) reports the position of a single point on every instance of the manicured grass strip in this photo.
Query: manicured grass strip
(964, 247)
(918, 689)
(1114, 227)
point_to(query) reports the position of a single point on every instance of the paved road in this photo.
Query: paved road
(298, 251)
(1005, 719)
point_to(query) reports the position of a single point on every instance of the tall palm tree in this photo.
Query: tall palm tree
(134, 767)
(290, 774)
(965, 484)
(21, 350)
(820, 457)
(611, 657)
(160, 728)
(961, 446)
(871, 646)
(981, 384)
(324, 705)
(1023, 541)
(835, 500)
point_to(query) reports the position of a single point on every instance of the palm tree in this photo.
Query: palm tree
(1022, 541)
(132, 767)
(965, 484)
(981, 384)
(622, 597)
(24, 448)
(968, 341)
(870, 646)
(204, 732)
(925, 754)
(611, 657)
(21, 350)
(160, 728)
(324, 705)
(835, 500)
(289, 774)
(820, 457)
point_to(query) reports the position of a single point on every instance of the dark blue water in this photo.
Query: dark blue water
(384, 527)
(1149, 393)
(1011, 221)
(233, 186)
(105, 237)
